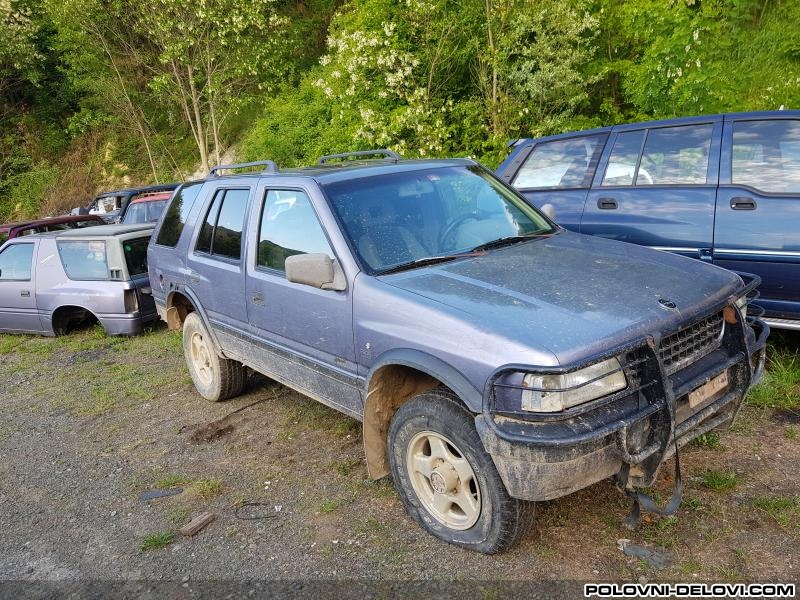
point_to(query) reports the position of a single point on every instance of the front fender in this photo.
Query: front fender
(435, 367)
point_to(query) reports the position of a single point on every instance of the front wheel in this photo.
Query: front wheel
(215, 378)
(447, 481)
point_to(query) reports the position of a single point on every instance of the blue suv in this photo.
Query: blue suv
(721, 188)
(493, 357)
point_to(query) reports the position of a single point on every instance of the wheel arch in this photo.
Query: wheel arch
(60, 316)
(397, 376)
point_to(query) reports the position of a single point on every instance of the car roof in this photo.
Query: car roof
(764, 114)
(49, 221)
(138, 190)
(350, 169)
(152, 197)
(103, 231)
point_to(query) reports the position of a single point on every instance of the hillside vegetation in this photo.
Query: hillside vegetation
(102, 93)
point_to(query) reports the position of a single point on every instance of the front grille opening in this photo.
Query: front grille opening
(680, 349)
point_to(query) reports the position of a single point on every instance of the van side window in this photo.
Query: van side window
(15, 262)
(176, 215)
(766, 155)
(624, 157)
(561, 163)
(675, 155)
(288, 227)
(221, 234)
(84, 260)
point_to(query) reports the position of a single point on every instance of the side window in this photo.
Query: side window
(288, 227)
(221, 234)
(560, 164)
(177, 213)
(675, 155)
(15, 262)
(624, 157)
(84, 261)
(766, 155)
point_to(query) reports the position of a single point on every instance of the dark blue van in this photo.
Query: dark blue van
(721, 188)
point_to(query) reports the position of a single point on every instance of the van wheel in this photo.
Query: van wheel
(447, 481)
(214, 377)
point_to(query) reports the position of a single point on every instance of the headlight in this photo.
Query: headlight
(741, 304)
(571, 389)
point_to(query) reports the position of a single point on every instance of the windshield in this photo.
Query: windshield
(400, 218)
(144, 212)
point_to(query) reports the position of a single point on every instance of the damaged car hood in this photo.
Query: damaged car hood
(571, 293)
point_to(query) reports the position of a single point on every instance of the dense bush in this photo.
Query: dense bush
(146, 90)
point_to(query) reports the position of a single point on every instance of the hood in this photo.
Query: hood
(574, 295)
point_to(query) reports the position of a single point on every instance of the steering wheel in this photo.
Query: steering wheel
(451, 226)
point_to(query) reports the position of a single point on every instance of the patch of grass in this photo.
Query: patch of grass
(171, 480)
(179, 516)
(720, 480)
(207, 488)
(708, 441)
(662, 532)
(790, 432)
(157, 541)
(690, 567)
(729, 573)
(692, 504)
(345, 467)
(329, 506)
(784, 510)
(780, 387)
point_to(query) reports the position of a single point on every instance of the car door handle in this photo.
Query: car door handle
(741, 203)
(25, 294)
(607, 204)
(258, 298)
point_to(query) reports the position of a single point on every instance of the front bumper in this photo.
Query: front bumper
(631, 437)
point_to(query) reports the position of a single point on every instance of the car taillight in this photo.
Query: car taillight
(131, 301)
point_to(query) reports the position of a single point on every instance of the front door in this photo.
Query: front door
(758, 208)
(18, 312)
(305, 334)
(657, 187)
(559, 173)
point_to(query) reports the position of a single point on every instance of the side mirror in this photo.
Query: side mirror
(549, 210)
(317, 270)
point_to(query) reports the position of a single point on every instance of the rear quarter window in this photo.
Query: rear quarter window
(135, 252)
(175, 218)
(84, 260)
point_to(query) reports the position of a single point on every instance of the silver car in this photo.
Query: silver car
(53, 281)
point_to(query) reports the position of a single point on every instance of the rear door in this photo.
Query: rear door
(758, 208)
(18, 311)
(214, 264)
(656, 186)
(557, 172)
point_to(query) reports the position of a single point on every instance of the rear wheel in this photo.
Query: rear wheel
(215, 378)
(447, 481)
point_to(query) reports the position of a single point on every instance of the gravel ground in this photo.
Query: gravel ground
(89, 423)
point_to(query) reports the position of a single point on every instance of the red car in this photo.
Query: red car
(12, 230)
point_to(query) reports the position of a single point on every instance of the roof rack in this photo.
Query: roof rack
(269, 167)
(388, 154)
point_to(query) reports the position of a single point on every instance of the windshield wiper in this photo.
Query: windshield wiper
(423, 262)
(507, 241)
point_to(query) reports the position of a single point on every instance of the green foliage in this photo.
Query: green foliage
(780, 386)
(720, 480)
(157, 541)
(142, 91)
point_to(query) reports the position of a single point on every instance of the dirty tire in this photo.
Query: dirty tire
(500, 521)
(215, 378)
